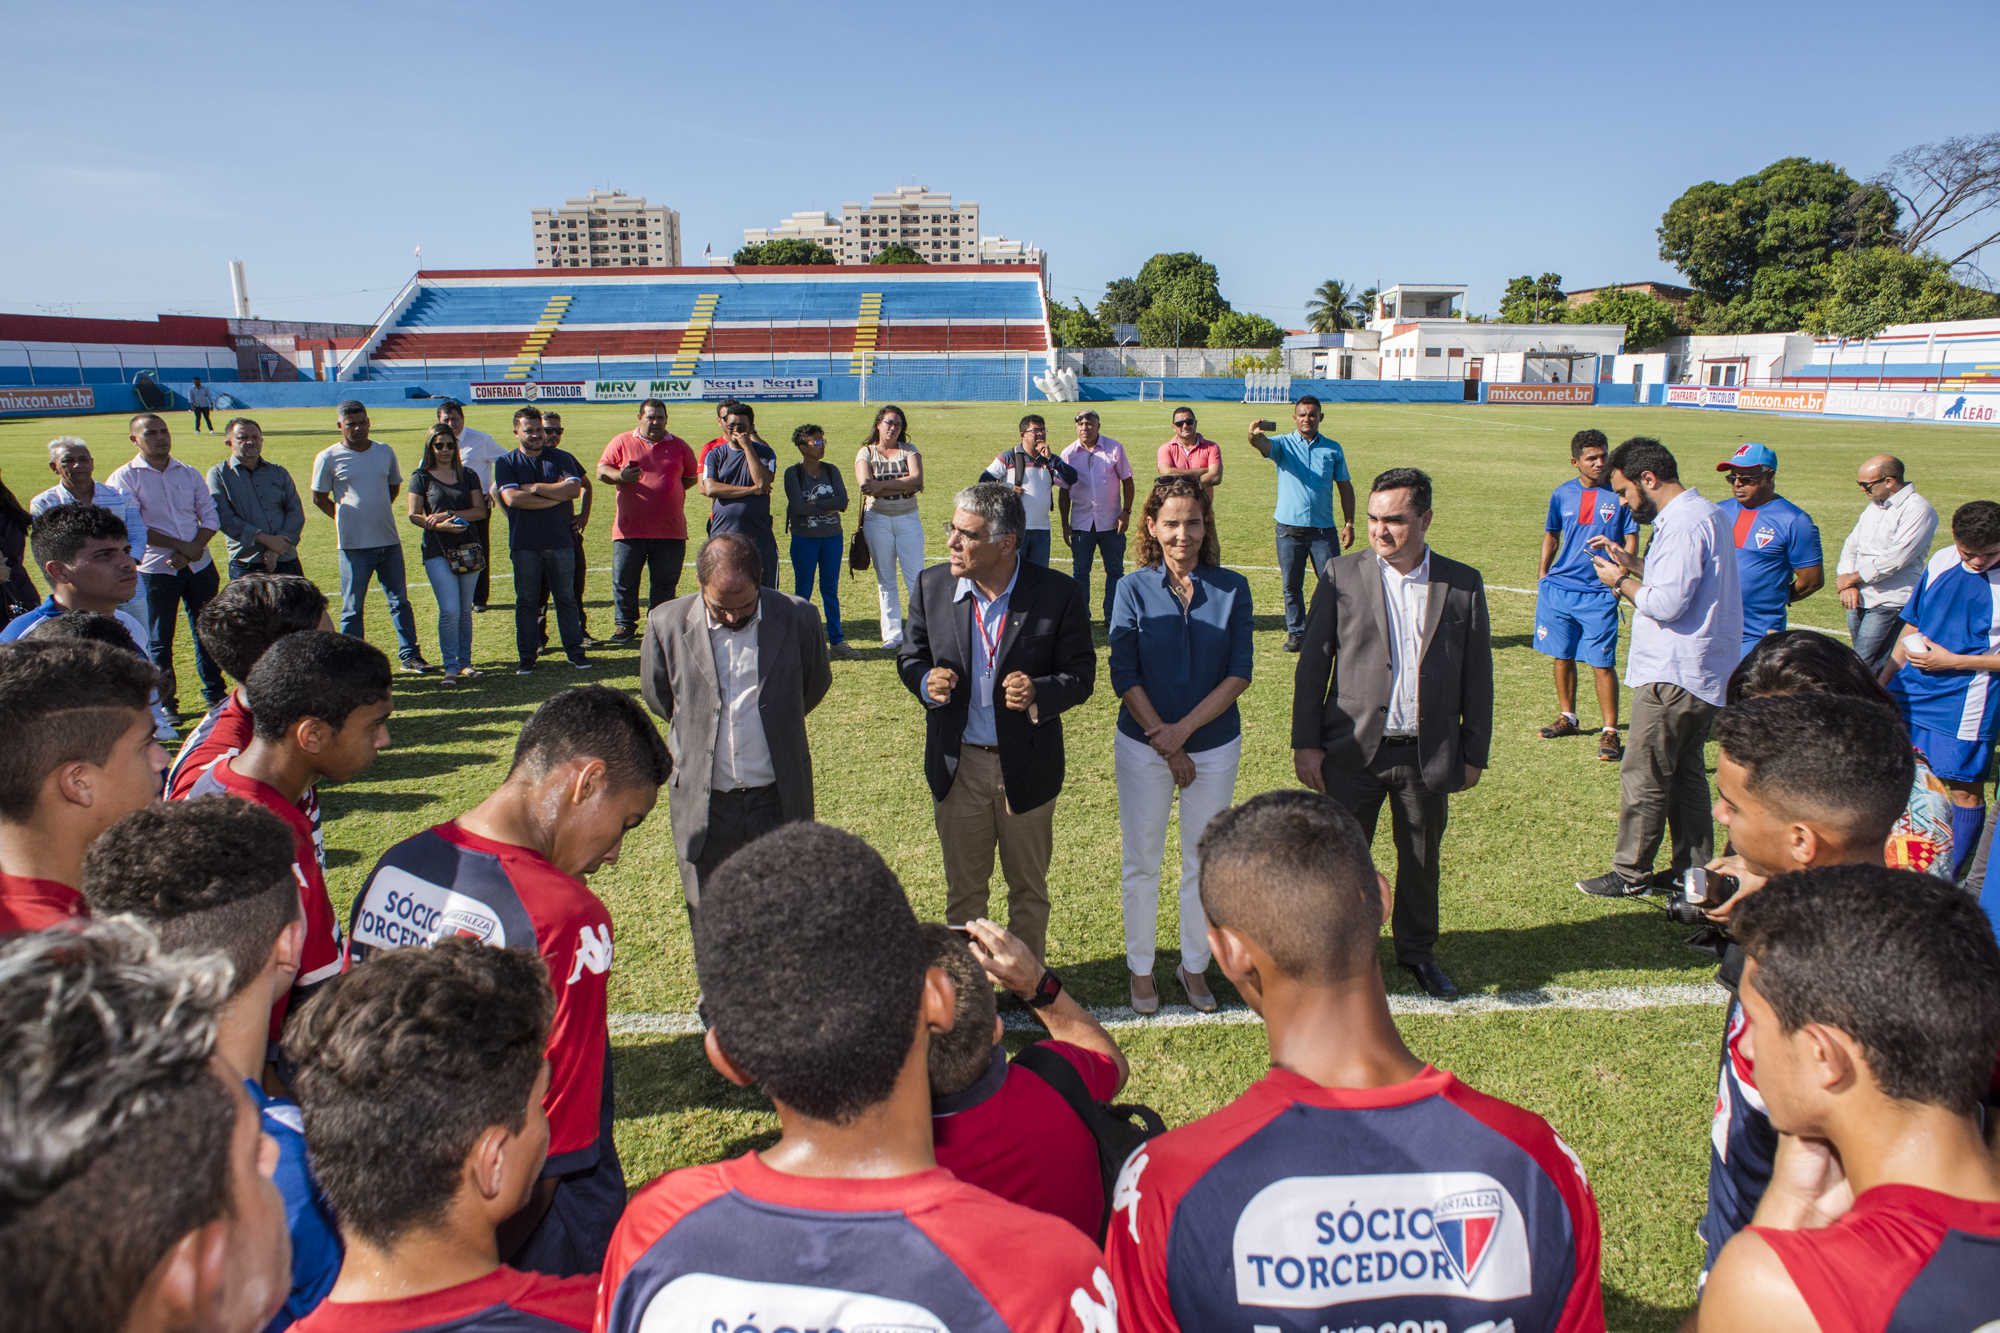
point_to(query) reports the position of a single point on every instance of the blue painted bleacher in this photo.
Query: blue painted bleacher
(436, 309)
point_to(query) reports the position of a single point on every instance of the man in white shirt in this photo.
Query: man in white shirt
(734, 668)
(179, 516)
(201, 403)
(1883, 557)
(1687, 635)
(354, 483)
(478, 451)
(70, 459)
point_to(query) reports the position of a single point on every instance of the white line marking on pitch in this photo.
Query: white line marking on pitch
(1671, 995)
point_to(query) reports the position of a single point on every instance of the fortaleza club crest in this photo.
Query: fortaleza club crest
(1466, 1225)
(1765, 536)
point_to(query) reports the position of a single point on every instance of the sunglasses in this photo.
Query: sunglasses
(552, 430)
(1183, 421)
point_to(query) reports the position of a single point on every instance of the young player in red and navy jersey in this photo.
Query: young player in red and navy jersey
(1576, 616)
(510, 873)
(422, 1080)
(236, 627)
(1001, 1125)
(819, 985)
(214, 876)
(1873, 1001)
(322, 703)
(1354, 1185)
(1948, 681)
(79, 755)
(1778, 559)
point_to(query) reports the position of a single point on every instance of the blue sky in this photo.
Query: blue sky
(1286, 142)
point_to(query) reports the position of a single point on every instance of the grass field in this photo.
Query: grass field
(1630, 1090)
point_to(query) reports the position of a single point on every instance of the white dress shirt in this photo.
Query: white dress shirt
(477, 450)
(742, 755)
(1408, 597)
(1687, 626)
(174, 501)
(1888, 547)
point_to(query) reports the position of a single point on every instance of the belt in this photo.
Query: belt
(1399, 740)
(968, 745)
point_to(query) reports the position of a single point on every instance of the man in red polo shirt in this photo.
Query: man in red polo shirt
(1191, 454)
(79, 756)
(652, 470)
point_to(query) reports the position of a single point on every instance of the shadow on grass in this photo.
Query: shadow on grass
(1631, 1314)
(379, 802)
(1513, 640)
(664, 1074)
(393, 764)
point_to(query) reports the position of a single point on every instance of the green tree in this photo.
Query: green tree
(1364, 305)
(1756, 249)
(1077, 327)
(784, 250)
(1169, 324)
(1648, 320)
(1534, 300)
(895, 252)
(1868, 290)
(1185, 280)
(1237, 328)
(1331, 308)
(1124, 301)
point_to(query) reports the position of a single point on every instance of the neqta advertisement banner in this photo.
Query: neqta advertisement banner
(637, 390)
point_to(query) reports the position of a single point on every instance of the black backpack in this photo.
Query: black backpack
(1112, 1126)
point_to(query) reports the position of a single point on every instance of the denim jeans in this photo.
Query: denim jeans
(825, 556)
(555, 572)
(357, 563)
(1083, 545)
(165, 593)
(1035, 546)
(1295, 547)
(1873, 631)
(454, 599)
(659, 558)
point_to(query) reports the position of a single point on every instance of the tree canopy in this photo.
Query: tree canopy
(895, 252)
(1235, 328)
(1076, 327)
(1868, 290)
(784, 250)
(1648, 320)
(1331, 309)
(1124, 301)
(1534, 300)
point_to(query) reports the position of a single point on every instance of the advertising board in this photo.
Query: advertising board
(636, 390)
(1917, 406)
(528, 391)
(1700, 395)
(1572, 395)
(1968, 409)
(1780, 400)
(47, 400)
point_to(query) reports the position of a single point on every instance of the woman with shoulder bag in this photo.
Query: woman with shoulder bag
(445, 501)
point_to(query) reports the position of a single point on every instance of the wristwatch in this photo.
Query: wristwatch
(1046, 990)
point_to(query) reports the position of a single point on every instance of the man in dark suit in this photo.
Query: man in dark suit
(734, 669)
(996, 647)
(1393, 699)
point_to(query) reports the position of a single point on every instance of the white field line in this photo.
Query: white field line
(1670, 995)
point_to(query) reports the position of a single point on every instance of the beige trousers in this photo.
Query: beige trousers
(973, 820)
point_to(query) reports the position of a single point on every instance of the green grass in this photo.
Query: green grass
(1630, 1091)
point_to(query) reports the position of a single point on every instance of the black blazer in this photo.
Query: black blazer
(1047, 637)
(1340, 695)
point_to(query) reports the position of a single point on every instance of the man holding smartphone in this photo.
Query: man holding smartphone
(1310, 466)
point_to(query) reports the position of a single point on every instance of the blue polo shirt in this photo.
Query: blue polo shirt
(1772, 540)
(537, 529)
(747, 514)
(1179, 654)
(1307, 470)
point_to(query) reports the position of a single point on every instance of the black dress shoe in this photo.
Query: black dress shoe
(1432, 978)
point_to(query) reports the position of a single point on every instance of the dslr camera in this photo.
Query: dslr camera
(1699, 893)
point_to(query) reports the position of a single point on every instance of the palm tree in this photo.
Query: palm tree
(1363, 305)
(1329, 309)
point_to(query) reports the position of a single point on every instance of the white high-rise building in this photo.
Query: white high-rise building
(926, 220)
(607, 229)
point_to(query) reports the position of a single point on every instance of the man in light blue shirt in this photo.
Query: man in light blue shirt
(989, 623)
(69, 458)
(1310, 466)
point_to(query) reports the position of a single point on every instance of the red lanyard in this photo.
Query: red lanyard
(992, 641)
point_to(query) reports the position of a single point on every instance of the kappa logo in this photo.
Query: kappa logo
(1466, 1225)
(1125, 1193)
(1095, 1316)
(1765, 537)
(592, 951)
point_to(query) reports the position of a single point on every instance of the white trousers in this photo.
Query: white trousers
(1145, 800)
(894, 539)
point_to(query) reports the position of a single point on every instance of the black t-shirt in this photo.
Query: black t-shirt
(441, 497)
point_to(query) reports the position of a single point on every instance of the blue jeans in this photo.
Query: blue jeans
(1083, 544)
(1297, 546)
(357, 563)
(1035, 546)
(551, 573)
(1873, 631)
(164, 595)
(454, 599)
(822, 554)
(660, 558)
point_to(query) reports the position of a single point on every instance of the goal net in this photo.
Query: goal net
(1153, 390)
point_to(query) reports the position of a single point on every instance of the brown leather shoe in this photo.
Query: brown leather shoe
(1608, 747)
(1562, 726)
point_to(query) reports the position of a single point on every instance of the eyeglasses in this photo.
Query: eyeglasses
(952, 529)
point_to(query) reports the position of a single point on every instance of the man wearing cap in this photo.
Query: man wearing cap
(1097, 506)
(1778, 561)
(1882, 559)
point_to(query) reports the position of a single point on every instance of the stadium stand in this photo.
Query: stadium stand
(45, 350)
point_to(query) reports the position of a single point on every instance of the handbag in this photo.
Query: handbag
(468, 558)
(857, 552)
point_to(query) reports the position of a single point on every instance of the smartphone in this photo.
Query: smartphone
(1267, 426)
(963, 930)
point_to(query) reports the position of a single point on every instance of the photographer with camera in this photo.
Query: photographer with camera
(1809, 779)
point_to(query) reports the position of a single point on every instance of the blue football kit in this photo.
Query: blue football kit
(1773, 541)
(1951, 713)
(1576, 616)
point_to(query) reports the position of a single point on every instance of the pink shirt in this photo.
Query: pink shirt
(175, 502)
(1205, 455)
(1095, 497)
(656, 504)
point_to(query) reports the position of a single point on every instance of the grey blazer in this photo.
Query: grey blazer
(1340, 695)
(677, 677)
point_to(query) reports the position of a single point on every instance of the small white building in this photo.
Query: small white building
(1354, 354)
(1727, 361)
(1424, 335)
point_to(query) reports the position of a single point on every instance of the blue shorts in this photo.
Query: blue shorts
(1575, 626)
(1960, 761)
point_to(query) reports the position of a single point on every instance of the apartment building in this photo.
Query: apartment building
(926, 220)
(607, 229)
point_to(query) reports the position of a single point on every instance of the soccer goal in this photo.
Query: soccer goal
(1153, 390)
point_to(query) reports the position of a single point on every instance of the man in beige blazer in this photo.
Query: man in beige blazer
(1393, 698)
(734, 669)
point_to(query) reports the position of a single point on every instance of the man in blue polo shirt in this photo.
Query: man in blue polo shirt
(538, 487)
(1576, 616)
(1777, 544)
(736, 477)
(1309, 467)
